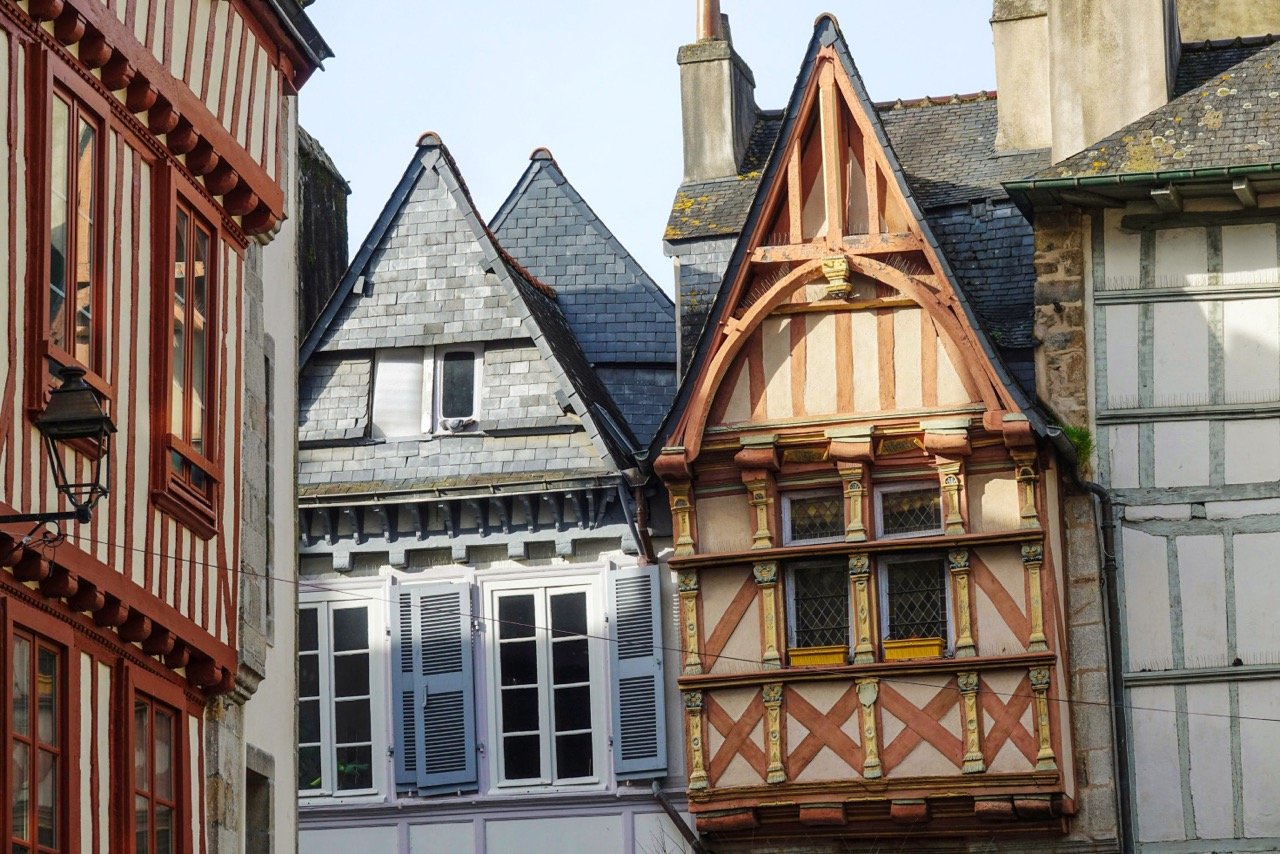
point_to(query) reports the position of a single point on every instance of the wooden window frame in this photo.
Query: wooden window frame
(136, 682)
(788, 497)
(51, 78)
(170, 492)
(438, 356)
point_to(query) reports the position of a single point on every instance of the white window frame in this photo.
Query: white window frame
(803, 566)
(787, 498)
(598, 646)
(908, 486)
(424, 390)
(373, 600)
(437, 386)
(883, 565)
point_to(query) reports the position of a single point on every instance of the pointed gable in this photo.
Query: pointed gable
(431, 278)
(838, 300)
(623, 321)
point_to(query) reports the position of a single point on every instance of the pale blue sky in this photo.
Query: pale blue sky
(596, 82)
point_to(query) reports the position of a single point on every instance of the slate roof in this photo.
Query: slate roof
(1232, 119)
(616, 313)
(1202, 60)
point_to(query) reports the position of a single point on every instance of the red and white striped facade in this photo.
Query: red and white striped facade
(189, 102)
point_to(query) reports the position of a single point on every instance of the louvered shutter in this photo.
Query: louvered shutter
(434, 695)
(639, 714)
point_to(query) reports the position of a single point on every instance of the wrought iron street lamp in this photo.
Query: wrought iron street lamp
(74, 418)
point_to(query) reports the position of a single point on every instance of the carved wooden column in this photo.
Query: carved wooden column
(1024, 463)
(1032, 562)
(687, 582)
(1045, 760)
(949, 475)
(860, 587)
(682, 518)
(973, 763)
(868, 692)
(693, 734)
(767, 578)
(958, 562)
(853, 475)
(772, 693)
(760, 496)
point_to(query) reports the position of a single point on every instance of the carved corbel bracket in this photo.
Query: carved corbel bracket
(950, 473)
(851, 445)
(766, 575)
(761, 496)
(1028, 476)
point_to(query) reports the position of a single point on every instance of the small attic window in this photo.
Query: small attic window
(457, 388)
(397, 393)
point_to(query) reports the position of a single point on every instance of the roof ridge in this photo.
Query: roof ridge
(1225, 44)
(936, 101)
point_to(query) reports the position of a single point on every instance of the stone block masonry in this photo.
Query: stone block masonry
(1061, 357)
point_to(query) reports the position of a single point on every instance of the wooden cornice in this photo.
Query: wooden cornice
(1040, 783)
(857, 244)
(129, 72)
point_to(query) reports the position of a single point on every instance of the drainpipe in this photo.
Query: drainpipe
(1115, 662)
(689, 834)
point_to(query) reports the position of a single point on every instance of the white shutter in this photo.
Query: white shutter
(397, 393)
(639, 713)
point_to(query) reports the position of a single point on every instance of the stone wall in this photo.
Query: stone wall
(1061, 357)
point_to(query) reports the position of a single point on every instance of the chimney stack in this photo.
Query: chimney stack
(717, 96)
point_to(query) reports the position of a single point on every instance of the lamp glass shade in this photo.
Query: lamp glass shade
(73, 411)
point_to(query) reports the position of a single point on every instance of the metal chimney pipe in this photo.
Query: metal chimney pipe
(709, 26)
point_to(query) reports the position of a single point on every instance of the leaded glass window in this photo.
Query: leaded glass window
(915, 600)
(915, 510)
(814, 517)
(819, 605)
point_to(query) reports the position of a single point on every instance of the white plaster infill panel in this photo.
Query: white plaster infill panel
(1122, 254)
(350, 839)
(452, 838)
(1202, 580)
(1209, 730)
(1124, 337)
(1181, 358)
(1249, 254)
(1252, 454)
(1151, 512)
(1260, 755)
(1257, 592)
(1157, 772)
(1242, 509)
(1182, 258)
(776, 332)
(1147, 604)
(1182, 453)
(1125, 473)
(1251, 350)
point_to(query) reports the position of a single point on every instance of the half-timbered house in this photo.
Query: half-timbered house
(146, 150)
(880, 628)
(481, 650)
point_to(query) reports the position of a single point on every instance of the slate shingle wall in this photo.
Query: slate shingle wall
(517, 386)
(701, 266)
(333, 399)
(648, 392)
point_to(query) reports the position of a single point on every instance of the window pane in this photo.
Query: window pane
(821, 596)
(917, 600)
(573, 756)
(457, 385)
(309, 722)
(46, 694)
(520, 710)
(199, 338)
(570, 662)
(164, 755)
(569, 614)
(142, 828)
(309, 675)
(308, 625)
(573, 708)
(355, 767)
(521, 757)
(351, 721)
(141, 743)
(519, 663)
(21, 790)
(309, 767)
(397, 393)
(46, 800)
(350, 629)
(86, 145)
(178, 367)
(60, 192)
(351, 675)
(21, 686)
(164, 829)
(515, 617)
(816, 517)
(911, 511)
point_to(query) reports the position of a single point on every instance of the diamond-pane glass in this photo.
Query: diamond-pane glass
(821, 596)
(917, 597)
(816, 517)
(910, 511)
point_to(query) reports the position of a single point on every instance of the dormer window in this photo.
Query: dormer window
(418, 391)
(909, 510)
(457, 388)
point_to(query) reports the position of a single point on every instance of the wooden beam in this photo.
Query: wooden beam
(1167, 198)
(1245, 192)
(830, 119)
(855, 244)
(1087, 199)
(873, 186)
(795, 197)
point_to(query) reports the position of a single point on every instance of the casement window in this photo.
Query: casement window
(556, 683)
(812, 517)
(36, 709)
(908, 510)
(914, 605)
(156, 781)
(186, 336)
(336, 692)
(419, 391)
(818, 605)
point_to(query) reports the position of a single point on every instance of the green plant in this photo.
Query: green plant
(1082, 440)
